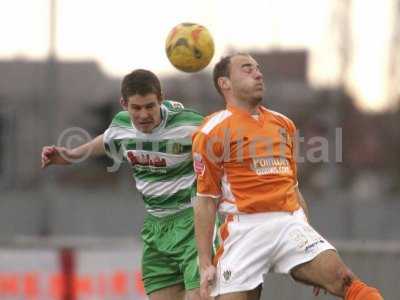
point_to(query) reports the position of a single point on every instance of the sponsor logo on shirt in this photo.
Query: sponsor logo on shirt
(145, 160)
(176, 148)
(176, 106)
(198, 164)
(271, 166)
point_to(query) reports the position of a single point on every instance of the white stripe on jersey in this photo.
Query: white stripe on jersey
(278, 114)
(215, 120)
(226, 188)
(160, 188)
(177, 133)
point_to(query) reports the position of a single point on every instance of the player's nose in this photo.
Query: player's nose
(143, 114)
(258, 75)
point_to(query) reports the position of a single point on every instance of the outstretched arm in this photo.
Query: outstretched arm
(53, 155)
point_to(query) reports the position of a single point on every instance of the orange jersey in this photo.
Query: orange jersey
(247, 162)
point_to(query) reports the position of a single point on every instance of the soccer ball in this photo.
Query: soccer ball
(189, 47)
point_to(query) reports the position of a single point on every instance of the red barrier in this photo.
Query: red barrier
(33, 285)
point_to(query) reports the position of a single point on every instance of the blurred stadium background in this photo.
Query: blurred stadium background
(72, 233)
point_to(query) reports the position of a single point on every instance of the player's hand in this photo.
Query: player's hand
(207, 278)
(52, 155)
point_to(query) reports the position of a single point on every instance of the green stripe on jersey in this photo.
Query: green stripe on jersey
(188, 117)
(122, 119)
(171, 201)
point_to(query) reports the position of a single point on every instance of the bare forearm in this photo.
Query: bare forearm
(54, 155)
(205, 211)
(92, 149)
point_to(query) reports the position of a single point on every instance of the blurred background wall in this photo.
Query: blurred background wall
(353, 193)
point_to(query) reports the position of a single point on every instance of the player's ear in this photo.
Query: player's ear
(224, 83)
(160, 97)
(124, 103)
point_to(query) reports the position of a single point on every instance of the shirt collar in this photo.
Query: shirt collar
(241, 111)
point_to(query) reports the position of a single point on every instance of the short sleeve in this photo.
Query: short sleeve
(207, 165)
(113, 145)
(107, 141)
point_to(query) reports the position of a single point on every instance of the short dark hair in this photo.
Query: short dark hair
(222, 69)
(140, 82)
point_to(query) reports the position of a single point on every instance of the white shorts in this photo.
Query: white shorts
(256, 244)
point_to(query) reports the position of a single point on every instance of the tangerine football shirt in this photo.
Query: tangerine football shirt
(247, 163)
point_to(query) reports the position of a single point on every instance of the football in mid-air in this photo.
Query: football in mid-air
(189, 47)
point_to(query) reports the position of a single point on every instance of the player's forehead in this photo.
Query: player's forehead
(141, 100)
(241, 60)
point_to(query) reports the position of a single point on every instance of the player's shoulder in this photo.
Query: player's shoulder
(183, 117)
(121, 119)
(120, 124)
(281, 118)
(214, 121)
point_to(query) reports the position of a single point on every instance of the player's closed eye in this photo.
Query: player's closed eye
(250, 68)
(247, 68)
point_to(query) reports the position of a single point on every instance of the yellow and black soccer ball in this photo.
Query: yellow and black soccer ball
(189, 47)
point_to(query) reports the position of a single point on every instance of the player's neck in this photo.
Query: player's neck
(251, 108)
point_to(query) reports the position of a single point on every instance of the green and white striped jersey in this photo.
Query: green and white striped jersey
(161, 161)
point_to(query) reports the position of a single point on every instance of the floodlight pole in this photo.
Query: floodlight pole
(51, 115)
(53, 30)
(394, 58)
